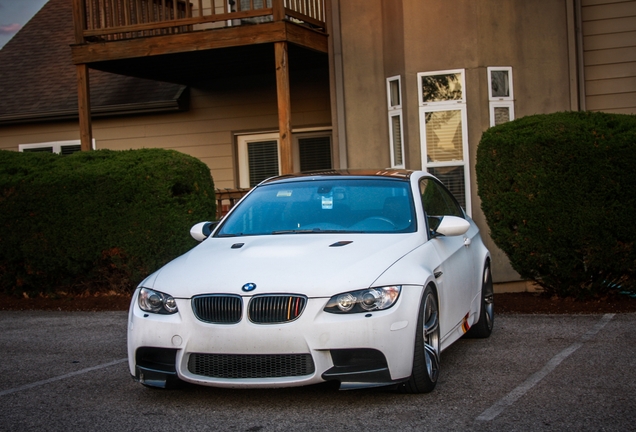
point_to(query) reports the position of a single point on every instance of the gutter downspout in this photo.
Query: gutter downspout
(579, 52)
(575, 55)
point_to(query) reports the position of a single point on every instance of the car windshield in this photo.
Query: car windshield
(323, 206)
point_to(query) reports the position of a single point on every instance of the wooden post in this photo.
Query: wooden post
(284, 107)
(83, 87)
(278, 10)
(84, 107)
(79, 20)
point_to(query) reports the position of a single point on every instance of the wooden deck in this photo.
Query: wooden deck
(110, 20)
(108, 30)
(118, 19)
(129, 37)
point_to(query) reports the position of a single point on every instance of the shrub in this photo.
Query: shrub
(98, 220)
(559, 195)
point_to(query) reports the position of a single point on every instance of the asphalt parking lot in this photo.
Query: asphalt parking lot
(64, 371)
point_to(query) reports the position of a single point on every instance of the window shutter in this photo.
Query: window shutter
(396, 130)
(39, 149)
(315, 153)
(444, 140)
(70, 149)
(263, 160)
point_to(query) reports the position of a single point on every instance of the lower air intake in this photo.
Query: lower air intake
(251, 366)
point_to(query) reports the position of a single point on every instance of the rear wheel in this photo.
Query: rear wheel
(483, 327)
(426, 357)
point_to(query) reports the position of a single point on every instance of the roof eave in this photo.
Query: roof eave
(179, 103)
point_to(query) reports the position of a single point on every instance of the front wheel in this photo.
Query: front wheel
(426, 356)
(483, 327)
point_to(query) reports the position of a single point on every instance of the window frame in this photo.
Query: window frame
(56, 146)
(511, 95)
(464, 119)
(297, 136)
(393, 112)
(243, 157)
(389, 80)
(448, 105)
(502, 104)
(420, 96)
(500, 101)
(242, 140)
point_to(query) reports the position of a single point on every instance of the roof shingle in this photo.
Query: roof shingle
(38, 77)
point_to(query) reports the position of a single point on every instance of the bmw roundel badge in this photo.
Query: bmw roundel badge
(249, 287)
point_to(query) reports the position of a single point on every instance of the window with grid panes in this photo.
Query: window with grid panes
(396, 141)
(500, 95)
(443, 130)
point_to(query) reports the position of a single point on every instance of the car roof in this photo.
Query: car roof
(399, 174)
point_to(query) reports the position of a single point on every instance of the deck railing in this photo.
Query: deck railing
(226, 199)
(103, 20)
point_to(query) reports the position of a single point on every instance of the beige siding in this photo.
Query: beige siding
(609, 44)
(607, 56)
(12, 136)
(206, 131)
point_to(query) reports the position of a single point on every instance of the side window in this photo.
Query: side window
(500, 95)
(437, 202)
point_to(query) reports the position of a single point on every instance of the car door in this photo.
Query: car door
(454, 275)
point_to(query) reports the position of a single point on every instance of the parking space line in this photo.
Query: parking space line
(61, 377)
(492, 412)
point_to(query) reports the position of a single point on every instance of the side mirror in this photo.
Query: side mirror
(452, 226)
(202, 230)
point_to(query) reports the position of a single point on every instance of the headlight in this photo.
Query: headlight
(366, 300)
(156, 302)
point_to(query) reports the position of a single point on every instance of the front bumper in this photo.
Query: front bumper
(358, 350)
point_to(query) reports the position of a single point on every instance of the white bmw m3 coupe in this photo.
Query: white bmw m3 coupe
(358, 277)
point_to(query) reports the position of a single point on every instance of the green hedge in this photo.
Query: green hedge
(559, 195)
(96, 220)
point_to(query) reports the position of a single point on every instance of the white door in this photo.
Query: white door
(455, 277)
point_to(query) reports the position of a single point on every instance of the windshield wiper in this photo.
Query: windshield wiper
(308, 231)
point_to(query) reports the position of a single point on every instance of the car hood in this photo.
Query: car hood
(317, 265)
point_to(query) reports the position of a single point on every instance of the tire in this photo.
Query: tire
(483, 328)
(426, 356)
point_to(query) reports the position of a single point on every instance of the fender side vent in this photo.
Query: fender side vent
(340, 243)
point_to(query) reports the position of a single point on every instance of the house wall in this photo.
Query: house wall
(609, 53)
(404, 37)
(531, 37)
(207, 131)
(363, 82)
